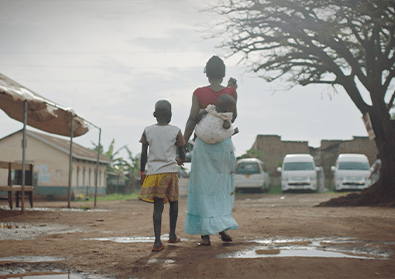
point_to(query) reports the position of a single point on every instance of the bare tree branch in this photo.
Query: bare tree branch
(309, 41)
(391, 101)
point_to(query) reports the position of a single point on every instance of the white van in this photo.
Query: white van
(351, 172)
(251, 173)
(298, 172)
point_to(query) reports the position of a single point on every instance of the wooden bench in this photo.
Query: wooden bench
(18, 188)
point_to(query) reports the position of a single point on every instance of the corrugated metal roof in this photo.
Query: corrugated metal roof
(63, 145)
(42, 113)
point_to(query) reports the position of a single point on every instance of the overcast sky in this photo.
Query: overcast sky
(112, 60)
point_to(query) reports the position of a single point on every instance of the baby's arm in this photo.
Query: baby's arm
(202, 113)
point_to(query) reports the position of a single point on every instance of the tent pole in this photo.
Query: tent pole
(71, 157)
(24, 156)
(97, 168)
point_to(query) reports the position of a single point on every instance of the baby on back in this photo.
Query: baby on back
(215, 121)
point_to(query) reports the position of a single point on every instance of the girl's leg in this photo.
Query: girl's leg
(158, 209)
(173, 219)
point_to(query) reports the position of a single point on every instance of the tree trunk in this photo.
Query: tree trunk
(381, 193)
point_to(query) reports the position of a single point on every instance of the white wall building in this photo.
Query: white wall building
(50, 156)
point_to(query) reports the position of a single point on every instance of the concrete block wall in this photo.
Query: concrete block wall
(274, 151)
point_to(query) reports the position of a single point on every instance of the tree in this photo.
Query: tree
(334, 42)
(119, 166)
(133, 167)
(252, 153)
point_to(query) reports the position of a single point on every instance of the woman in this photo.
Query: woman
(210, 196)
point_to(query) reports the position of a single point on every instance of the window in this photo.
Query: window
(247, 168)
(353, 166)
(295, 166)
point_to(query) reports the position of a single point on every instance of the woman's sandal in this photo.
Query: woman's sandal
(225, 236)
(157, 249)
(174, 240)
(202, 243)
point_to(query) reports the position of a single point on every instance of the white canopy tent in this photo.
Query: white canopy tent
(26, 106)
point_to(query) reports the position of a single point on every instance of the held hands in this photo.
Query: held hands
(179, 161)
(142, 174)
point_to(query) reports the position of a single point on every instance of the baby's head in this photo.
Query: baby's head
(226, 103)
(162, 111)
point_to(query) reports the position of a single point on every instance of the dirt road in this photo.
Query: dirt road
(279, 236)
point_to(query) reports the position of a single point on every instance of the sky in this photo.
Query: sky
(110, 61)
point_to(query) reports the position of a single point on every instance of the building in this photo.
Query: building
(274, 151)
(50, 156)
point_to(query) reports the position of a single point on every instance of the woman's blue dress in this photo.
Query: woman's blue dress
(211, 193)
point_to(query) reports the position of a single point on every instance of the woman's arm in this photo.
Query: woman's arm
(233, 83)
(192, 119)
(235, 109)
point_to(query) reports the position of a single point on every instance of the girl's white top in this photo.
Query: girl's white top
(162, 142)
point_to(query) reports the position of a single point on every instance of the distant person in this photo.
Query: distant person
(159, 177)
(321, 180)
(375, 169)
(215, 121)
(210, 193)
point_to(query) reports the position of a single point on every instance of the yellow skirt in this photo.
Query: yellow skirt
(163, 186)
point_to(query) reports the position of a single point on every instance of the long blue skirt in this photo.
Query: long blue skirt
(211, 193)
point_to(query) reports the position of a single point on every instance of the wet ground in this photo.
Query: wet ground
(279, 236)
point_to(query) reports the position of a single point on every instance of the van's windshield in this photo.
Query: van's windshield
(353, 166)
(247, 168)
(296, 166)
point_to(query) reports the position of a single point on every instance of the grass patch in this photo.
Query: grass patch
(112, 197)
(331, 191)
(275, 190)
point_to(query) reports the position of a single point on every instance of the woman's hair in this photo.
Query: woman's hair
(215, 67)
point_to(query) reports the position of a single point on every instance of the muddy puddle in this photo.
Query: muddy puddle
(48, 209)
(49, 275)
(330, 247)
(26, 272)
(133, 239)
(30, 259)
(21, 231)
(41, 275)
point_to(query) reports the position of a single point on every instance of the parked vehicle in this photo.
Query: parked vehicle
(251, 174)
(298, 172)
(351, 172)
